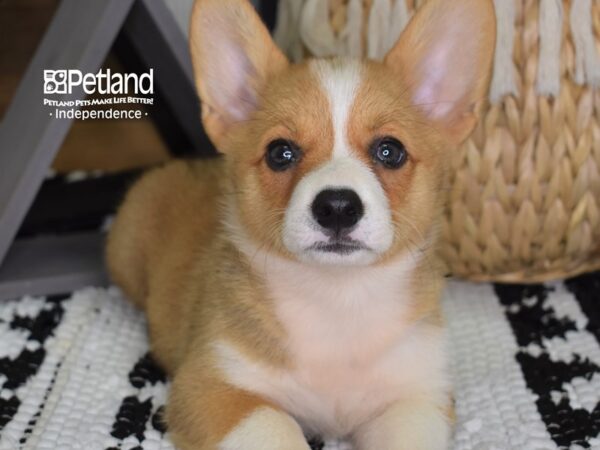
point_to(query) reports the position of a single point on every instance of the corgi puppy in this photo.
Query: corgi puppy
(291, 286)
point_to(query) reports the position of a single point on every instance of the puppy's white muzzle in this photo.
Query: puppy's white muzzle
(364, 242)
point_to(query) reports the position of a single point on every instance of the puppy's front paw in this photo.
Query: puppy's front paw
(337, 445)
(265, 429)
(409, 425)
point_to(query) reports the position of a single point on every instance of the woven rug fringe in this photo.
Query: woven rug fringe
(503, 79)
(587, 60)
(551, 20)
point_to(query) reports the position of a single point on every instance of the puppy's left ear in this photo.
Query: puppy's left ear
(444, 57)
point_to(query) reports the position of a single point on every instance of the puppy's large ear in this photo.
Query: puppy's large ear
(233, 56)
(445, 58)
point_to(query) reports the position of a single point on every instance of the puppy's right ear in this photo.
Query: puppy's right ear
(233, 56)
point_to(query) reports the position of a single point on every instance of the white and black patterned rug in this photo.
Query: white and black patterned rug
(75, 373)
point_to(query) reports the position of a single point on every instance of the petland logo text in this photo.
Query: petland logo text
(104, 82)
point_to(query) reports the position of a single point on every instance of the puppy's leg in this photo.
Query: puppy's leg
(205, 413)
(412, 424)
(265, 428)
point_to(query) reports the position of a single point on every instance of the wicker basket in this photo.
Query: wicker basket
(524, 203)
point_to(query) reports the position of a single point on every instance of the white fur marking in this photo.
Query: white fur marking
(265, 429)
(340, 80)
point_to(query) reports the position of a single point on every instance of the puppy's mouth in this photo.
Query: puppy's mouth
(340, 246)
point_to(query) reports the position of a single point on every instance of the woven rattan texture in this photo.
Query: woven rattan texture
(525, 190)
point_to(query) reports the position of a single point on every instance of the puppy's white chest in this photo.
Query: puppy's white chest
(350, 348)
(351, 360)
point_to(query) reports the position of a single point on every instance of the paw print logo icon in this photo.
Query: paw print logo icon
(55, 81)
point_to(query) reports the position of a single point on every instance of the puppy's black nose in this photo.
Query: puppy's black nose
(337, 209)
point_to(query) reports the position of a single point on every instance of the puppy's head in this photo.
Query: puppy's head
(339, 161)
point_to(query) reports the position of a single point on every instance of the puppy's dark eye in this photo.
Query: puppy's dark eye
(389, 152)
(282, 154)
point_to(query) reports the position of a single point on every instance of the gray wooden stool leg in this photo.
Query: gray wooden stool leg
(52, 265)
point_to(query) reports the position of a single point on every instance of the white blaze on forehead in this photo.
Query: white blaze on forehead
(340, 80)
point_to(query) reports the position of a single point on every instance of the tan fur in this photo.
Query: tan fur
(164, 221)
(195, 245)
(383, 107)
(202, 421)
(290, 115)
